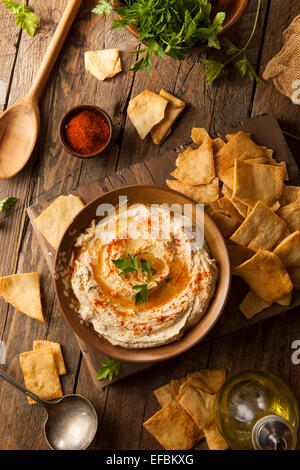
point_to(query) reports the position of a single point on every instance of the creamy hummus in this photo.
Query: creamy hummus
(184, 279)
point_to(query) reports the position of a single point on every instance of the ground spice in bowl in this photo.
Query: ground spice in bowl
(87, 132)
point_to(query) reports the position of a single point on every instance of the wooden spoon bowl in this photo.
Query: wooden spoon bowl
(19, 127)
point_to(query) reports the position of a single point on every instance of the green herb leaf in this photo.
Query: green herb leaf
(24, 16)
(229, 47)
(213, 69)
(142, 294)
(109, 368)
(246, 69)
(146, 268)
(127, 264)
(167, 28)
(8, 202)
(103, 6)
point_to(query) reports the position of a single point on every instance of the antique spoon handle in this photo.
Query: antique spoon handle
(22, 389)
(54, 47)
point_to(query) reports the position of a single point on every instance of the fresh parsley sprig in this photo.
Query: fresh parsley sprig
(130, 264)
(24, 16)
(214, 68)
(7, 203)
(167, 28)
(103, 6)
(127, 264)
(142, 294)
(109, 368)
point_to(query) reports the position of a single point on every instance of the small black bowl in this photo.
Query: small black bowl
(68, 116)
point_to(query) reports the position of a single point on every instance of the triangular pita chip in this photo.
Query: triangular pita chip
(261, 229)
(252, 304)
(289, 250)
(214, 439)
(255, 182)
(291, 215)
(286, 300)
(173, 427)
(103, 64)
(198, 404)
(289, 195)
(54, 221)
(237, 254)
(266, 276)
(23, 292)
(225, 223)
(198, 135)
(146, 110)
(239, 205)
(214, 378)
(294, 274)
(198, 167)
(173, 110)
(203, 193)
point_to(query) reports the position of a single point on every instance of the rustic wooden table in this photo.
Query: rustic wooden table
(124, 406)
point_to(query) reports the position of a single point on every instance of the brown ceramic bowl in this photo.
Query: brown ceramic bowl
(142, 194)
(72, 112)
(234, 10)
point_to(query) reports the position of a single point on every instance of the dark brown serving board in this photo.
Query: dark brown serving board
(265, 131)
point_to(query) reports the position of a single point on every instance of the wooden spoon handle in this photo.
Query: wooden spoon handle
(54, 48)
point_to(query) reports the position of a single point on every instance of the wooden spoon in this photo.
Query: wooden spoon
(19, 124)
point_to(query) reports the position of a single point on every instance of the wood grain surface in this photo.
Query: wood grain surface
(122, 407)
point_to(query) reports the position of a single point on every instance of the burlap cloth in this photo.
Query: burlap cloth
(284, 68)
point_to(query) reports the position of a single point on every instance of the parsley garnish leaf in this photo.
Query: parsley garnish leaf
(246, 69)
(103, 6)
(108, 368)
(127, 264)
(214, 68)
(142, 294)
(24, 16)
(130, 264)
(8, 202)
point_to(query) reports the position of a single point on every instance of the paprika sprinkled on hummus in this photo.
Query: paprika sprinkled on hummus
(180, 289)
(87, 132)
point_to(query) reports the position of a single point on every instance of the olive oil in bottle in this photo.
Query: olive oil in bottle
(256, 410)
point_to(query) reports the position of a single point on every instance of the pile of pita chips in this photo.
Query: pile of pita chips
(23, 292)
(103, 64)
(187, 413)
(41, 369)
(255, 209)
(54, 221)
(154, 113)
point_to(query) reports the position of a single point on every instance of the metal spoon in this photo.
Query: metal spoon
(71, 422)
(19, 124)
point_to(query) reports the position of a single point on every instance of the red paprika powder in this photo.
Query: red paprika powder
(87, 132)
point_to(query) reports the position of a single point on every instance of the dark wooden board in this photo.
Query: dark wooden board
(155, 170)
